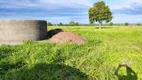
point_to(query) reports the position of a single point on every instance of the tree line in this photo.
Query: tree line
(72, 23)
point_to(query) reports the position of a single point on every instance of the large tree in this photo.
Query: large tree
(100, 12)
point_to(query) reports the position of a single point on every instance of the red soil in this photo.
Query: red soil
(64, 37)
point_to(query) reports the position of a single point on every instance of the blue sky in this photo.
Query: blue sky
(65, 11)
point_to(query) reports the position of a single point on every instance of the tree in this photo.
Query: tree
(138, 24)
(49, 24)
(126, 24)
(111, 23)
(99, 13)
(76, 24)
(60, 24)
(71, 23)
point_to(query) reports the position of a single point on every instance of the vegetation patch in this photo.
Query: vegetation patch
(98, 59)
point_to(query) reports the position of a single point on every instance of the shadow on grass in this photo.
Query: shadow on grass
(45, 71)
(5, 51)
(5, 64)
(131, 75)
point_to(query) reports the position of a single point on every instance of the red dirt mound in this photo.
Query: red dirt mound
(64, 37)
(52, 32)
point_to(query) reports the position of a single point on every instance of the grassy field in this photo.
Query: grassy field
(98, 59)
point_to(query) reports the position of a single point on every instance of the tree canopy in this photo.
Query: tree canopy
(60, 24)
(49, 24)
(100, 12)
(71, 23)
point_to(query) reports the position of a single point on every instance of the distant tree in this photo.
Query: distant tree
(100, 12)
(138, 24)
(111, 23)
(76, 24)
(60, 24)
(71, 23)
(126, 24)
(49, 24)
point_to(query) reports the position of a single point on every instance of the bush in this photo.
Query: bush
(111, 23)
(76, 24)
(71, 23)
(60, 24)
(49, 24)
(126, 24)
(138, 24)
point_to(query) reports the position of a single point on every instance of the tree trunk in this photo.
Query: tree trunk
(100, 24)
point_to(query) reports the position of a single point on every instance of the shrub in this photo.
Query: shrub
(76, 24)
(126, 24)
(138, 24)
(71, 23)
(60, 24)
(49, 24)
(111, 23)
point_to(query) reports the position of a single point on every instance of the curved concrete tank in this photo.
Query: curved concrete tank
(15, 31)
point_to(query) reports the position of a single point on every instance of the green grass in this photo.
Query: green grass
(98, 59)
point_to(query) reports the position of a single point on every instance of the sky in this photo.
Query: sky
(56, 11)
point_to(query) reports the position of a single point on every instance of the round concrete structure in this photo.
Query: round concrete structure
(15, 31)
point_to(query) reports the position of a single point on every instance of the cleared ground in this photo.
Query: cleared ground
(98, 59)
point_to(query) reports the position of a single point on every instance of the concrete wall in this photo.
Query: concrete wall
(15, 31)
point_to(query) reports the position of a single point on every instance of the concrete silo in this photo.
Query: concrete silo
(15, 31)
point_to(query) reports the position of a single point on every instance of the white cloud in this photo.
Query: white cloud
(45, 3)
(128, 4)
(133, 7)
(66, 3)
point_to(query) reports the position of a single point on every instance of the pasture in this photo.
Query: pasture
(98, 59)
